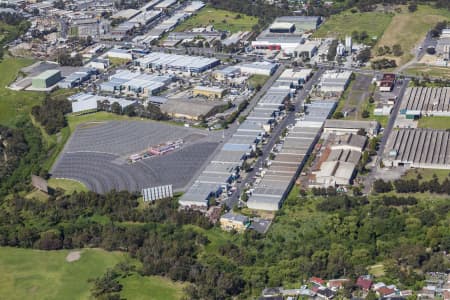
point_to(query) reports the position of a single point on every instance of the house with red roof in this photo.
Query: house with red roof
(364, 282)
(317, 280)
(446, 295)
(385, 292)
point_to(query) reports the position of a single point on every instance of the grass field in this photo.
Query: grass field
(34, 274)
(434, 122)
(422, 69)
(427, 174)
(256, 80)
(14, 104)
(68, 185)
(154, 288)
(100, 116)
(220, 19)
(374, 23)
(376, 270)
(408, 29)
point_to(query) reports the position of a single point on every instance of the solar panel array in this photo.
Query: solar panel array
(157, 193)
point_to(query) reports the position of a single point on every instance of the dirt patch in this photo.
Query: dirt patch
(73, 256)
(428, 59)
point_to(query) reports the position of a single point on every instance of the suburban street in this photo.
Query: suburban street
(387, 131)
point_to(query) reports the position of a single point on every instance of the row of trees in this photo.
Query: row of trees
(413, 186)
(151, 111)
(383, 63)
(65, 59)
(396, 50)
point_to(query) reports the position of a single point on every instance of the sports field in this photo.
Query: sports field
(374, 23)
(408, 29)
(35, 274)
(220, 19)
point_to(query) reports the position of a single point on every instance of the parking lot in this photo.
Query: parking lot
(96, 156)
(128, 137)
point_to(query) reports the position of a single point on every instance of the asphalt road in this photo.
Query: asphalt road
(387, 131)
(276, 132)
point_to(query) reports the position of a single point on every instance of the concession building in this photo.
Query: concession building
(418, 148)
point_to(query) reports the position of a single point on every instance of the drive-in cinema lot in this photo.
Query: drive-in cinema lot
(97, 154)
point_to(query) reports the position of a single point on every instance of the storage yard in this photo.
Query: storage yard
(97, 155)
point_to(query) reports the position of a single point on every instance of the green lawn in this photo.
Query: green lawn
(100, 116)
(35, 274)
(151, 288)
(220, 19)
(427, 174)
(374, 23)
(68, 185)
(422, 69)
(14, 104)
(434, 122)
(256, 80)
(376, 270)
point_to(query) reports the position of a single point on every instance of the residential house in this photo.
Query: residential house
(385, 292)
(364, 282)
(317, 280)
(336, 284)
(326, 293)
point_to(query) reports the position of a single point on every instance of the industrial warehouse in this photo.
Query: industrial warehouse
(175, 62)
(284, 169)
(418, 148)
(135, 83)
(286, 33)
(224, 168)
(428, 101)
(339, 161)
